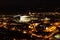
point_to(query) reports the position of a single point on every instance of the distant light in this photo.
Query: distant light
(56, 23)
(14, 38)
(16, 15)
(29, 12)
(24, 32)
(46, 27)
(50, 29)
(24, 19)
(4, 18)
(31, 27)
(47, 18)
(46, 21)
(5, 27)
(41, 19)
(57, 36)
(13, 28)
(4, 23)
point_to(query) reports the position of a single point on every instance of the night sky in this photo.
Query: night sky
(30, 3)
(23, 5)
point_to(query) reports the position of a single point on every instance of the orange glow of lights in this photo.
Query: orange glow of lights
(4, 23)
(24, 32)
(56, 23)
(0, 22)
(1, 25)
(31, 27)
(36, 35)
(50, 29)
(35, 24)
(33, 34)
(46, 21)
(45, 36)
(50, 35)
(14, 38)
(13, 28)
(5, 27)
(4, 18)
(39, 35)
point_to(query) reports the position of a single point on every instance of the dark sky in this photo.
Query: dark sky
(23, 5)
(29, 3)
